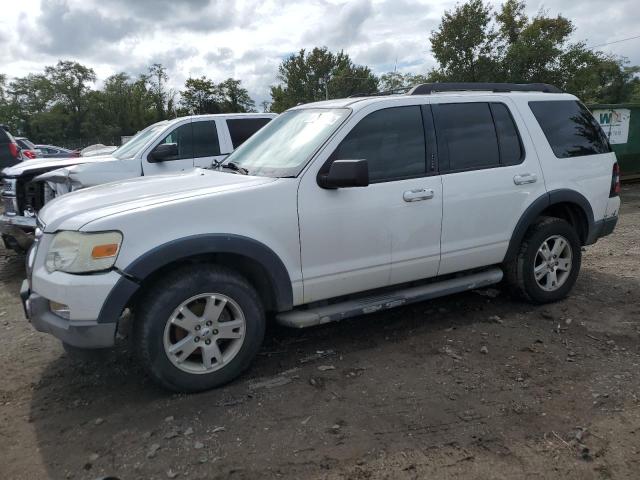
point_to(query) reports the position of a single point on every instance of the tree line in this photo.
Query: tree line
(473, 43)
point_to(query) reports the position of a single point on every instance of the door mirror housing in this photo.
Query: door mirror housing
(345, 174)
(164, 151)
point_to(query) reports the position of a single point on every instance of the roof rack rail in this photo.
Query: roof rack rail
(428, 88)
(392, 91)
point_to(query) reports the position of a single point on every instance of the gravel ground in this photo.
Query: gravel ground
(475, 385)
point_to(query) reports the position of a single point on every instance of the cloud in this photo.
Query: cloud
(343, 31)
(62, 30)
(247, 39)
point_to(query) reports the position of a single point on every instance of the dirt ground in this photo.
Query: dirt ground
(404, 394)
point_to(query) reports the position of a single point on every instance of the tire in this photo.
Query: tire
(174, 311)
(520, 273)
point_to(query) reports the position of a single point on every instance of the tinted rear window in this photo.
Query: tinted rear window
(241, 129)
(508, 138)
(466, 136)
(570, 128)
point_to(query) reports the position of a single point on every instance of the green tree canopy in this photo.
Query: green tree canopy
(475, 44)
(319, 74)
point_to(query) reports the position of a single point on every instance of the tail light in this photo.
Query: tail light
(615, 181)
(30, 154)
(13, 150)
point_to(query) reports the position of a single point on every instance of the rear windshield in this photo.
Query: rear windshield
(570, 128)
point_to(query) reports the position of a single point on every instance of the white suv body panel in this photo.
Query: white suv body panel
(383, 239)
(483, 206)
(332, 242)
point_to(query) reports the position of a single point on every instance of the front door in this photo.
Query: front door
(357, 239)
(182, 136)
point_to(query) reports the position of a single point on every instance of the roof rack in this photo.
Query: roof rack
(393, 91)
(428, 88)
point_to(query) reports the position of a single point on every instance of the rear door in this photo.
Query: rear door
(209, 148)
(490, 175)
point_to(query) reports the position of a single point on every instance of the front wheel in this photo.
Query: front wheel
(199, 328)
(548, 262)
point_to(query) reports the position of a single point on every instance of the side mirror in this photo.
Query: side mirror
(345, 173)
(164, 151)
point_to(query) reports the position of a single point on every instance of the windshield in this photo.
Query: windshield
(138, 141)
(284, 146)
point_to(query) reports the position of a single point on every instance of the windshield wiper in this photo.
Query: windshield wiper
(233, 166)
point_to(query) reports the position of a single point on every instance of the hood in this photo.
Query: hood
(96, 202)
(39, 165)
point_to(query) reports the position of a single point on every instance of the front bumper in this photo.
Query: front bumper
(17, 231)
(81, 334)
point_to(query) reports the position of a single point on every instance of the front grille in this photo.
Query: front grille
(30, 197)
(10, 206)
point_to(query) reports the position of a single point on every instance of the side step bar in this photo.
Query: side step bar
(310, 317)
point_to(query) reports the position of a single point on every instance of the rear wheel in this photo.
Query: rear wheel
(199, 328)
(548, 262)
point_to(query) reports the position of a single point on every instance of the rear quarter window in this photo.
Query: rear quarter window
(570, 128)
(241, 129)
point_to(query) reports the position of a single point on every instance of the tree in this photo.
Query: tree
(392, 81)
(474, 44)
(235, 98)
(319, 74)
(157, 80)
(465, 44)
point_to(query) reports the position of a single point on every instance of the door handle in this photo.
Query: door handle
(417, 194)
(525, 178)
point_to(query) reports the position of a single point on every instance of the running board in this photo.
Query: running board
(310, 317)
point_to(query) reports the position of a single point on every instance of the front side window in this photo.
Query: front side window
(391, 140)
(570, 128)
(241, 129)
(466, 136)
(138, 141)
(182, 137)
(205, 139)
(285, 145)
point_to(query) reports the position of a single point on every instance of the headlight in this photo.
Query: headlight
(76, 252)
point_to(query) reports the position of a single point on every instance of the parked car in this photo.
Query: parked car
(96, 150)
(28, 148)
(10, 154)
(52, 151)
(165, 147)
(334, 209)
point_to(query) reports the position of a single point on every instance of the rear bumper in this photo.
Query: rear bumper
(81, 334)
(602, 228)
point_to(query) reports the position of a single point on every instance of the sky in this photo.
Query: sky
(248, 39)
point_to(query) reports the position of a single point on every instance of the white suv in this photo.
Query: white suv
(334, 209)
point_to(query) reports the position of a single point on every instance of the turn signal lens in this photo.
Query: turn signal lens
(105, 251)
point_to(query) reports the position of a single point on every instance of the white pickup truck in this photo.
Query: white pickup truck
(169, 146)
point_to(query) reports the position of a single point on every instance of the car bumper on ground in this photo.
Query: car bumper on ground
(81, 334)
(17, 231)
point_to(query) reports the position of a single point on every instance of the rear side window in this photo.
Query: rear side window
(205, 139)
(466, 136)
(570, 128)
(391, 140)
(508, 139)
(241, 129)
